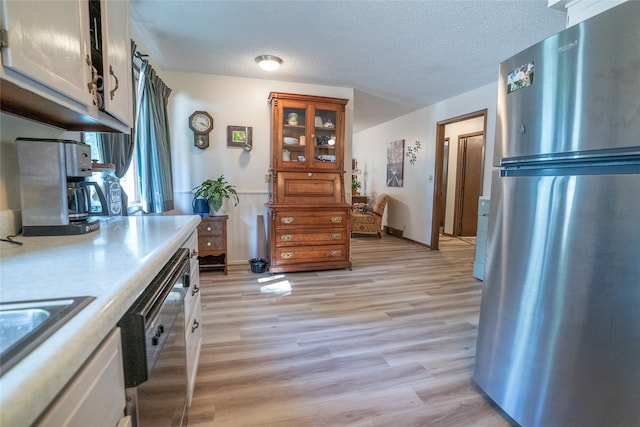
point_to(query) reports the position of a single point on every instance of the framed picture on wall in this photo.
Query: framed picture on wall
(395, 164)
(240, 136)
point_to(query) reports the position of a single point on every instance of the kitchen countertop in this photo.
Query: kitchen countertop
(113, 264)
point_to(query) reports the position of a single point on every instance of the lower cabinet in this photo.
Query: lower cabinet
(212, 242)
(308, 238)
(193, 328)
(95, 396)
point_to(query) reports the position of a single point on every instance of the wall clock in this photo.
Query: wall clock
(201, 124)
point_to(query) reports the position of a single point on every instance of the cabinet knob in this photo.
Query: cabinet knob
(335, 253)
(286, 255)
(286, 237)
(287, 219)
(208, 243)
(209, 228)
(336, 219)
(335, 236)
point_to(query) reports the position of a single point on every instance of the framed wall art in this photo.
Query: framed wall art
(395, 163)
(240, 136)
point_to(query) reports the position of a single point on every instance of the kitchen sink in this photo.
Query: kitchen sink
(24, 325)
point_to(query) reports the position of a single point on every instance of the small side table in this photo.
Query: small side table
(359, 199)
(212, 242)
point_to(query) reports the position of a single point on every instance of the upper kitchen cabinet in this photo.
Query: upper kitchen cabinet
(47, 68)
(307, 132)
(112, 53)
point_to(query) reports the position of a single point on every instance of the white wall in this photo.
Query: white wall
(411, 206)
(234, 101)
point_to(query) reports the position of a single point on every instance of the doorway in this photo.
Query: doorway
(468, 184)
(443, 191)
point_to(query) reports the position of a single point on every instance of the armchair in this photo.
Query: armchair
(369, 219)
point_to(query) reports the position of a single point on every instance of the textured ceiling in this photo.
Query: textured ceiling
(399, 56)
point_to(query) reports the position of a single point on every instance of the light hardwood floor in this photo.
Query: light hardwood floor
(390, 342)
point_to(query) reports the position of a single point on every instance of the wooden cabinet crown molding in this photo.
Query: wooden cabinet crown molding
(275, 96)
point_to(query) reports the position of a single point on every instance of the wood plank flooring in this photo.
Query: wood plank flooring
(391, 342)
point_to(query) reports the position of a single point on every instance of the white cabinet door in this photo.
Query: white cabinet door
(116, 44)
(47, 41)
(193, 341)
(193, 328)
(95, 396)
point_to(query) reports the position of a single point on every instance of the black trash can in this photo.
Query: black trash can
(258, 265)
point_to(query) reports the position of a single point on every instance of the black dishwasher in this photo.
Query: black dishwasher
(154, 350)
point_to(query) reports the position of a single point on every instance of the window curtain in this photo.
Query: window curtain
(116, 148)
(152, 142)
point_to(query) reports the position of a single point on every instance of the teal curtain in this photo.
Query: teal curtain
(152, 142)
(116, 148)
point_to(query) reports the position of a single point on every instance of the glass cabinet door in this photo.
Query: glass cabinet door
(325, 140)
(294, 137)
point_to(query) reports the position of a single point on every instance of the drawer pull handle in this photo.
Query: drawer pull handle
(335, 253)
(195, 290)
(287, 219)
(336, 236)
(286, 237)
(286, 255)
(336, 219)
(195, 325)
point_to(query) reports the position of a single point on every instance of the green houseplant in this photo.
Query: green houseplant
(355, 185)
(215, 191)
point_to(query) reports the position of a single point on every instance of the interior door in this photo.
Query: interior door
(469, 188)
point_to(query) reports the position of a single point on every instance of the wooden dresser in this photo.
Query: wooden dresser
(308, 217)
(212, 242)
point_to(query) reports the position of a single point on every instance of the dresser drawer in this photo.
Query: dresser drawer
(210, 228)
(313, 236)
(314, 253)
(211, 243)
(319, 218)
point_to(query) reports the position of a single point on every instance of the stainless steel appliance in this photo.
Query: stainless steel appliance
(54, 188)
(154, 349)
(559, 332)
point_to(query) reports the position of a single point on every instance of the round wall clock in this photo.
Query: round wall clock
(201, 124)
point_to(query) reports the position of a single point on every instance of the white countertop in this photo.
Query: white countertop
(113, 264)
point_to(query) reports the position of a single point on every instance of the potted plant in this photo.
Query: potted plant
(355, 186)
(215, 192)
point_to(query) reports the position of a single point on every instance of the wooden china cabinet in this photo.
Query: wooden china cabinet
(308, 216)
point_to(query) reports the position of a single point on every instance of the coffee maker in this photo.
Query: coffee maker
(54, 187)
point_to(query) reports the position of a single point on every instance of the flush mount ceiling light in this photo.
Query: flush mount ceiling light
(268, 62)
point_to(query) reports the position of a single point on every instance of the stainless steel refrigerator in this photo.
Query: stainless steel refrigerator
(559, 331)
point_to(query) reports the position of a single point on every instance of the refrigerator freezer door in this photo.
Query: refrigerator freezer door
(559, 332)
(578, 90)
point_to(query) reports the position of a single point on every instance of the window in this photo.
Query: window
(130, 181)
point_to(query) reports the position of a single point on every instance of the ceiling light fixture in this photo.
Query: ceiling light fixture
(268, 62)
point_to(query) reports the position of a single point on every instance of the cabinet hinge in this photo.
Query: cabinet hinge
(4, 38)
